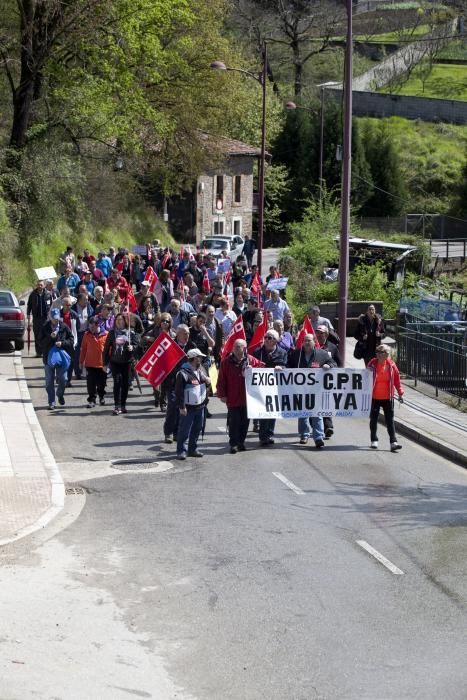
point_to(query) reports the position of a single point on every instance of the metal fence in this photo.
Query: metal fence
(433, 356)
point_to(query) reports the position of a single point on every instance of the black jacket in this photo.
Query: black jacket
(64, 335)
(276, 358)
(39, 304)
(120, 354)
(334, 352)
(318, 358)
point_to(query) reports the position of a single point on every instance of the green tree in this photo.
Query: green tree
(276, 190)
(389, 193)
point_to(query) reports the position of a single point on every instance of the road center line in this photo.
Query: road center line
(382, 559)
(289, 484)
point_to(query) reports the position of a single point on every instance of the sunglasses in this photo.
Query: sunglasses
(165, 320)
(269, 337)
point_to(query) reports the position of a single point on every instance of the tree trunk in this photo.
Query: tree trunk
(298, 68)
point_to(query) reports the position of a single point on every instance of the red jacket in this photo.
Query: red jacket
(231, 380)
(394, 376)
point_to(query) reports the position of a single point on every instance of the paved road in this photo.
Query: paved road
(216, 579)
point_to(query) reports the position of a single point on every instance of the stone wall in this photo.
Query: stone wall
(377, 104)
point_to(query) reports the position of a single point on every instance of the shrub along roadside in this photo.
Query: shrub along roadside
(17, 266)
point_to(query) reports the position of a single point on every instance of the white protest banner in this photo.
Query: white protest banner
(299, 393)
(278, 283)
(139, 250)
(223, 266)
(45, 273)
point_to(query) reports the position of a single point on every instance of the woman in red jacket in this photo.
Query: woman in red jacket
(386, 379)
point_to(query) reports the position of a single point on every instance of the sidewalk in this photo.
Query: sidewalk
(31, 488)
(424, 419)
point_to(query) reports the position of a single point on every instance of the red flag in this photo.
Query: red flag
(206, 285)
(165, 260)
(237, 333)
(276, 275)
(131, 301)
(151, 277)
(181, 252)
(255, 284)
(258, 336)
(181, 289)
(259, 299)
(163, 355)
(305, 330)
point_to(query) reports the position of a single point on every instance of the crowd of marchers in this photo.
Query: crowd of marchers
(104, 311)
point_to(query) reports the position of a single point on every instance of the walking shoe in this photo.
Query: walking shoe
(69, 385)
(233, 450)
(374, 444)
(116, 411)
(328, 433)
(61, 400)
(51, 406)
(123, 409)
(195, 453)
(267, 442)
(255, 426)
(395, 446)
(102, 402)
(303, 440)
(91, 404)
(319, 444)
(242, 448)
(168, 439)
(181, 455)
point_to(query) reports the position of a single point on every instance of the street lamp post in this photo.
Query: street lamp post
(262, 80)
(345, 192)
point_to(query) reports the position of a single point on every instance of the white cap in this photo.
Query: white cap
(194, 353)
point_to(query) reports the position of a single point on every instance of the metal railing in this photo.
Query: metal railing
(438, 358)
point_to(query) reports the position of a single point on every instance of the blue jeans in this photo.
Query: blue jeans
(50, 373)
(317, 428)
(189, 428)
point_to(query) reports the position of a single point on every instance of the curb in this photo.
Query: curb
(432, 443)
(57, 487)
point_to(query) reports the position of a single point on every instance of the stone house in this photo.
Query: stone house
(222, 201)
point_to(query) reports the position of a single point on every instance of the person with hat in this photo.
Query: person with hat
(56, 334)
(88, 282)
(190, 396)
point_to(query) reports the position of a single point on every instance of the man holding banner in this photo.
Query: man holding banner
(310, 356)
(231, 391)
(271, 355)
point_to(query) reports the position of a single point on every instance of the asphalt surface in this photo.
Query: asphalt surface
(239, 577)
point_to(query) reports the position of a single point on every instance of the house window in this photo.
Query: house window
(236, 227)
(219, 203)
(219, 227)
(237, 189)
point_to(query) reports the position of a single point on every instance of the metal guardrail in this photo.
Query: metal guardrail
(448, 248)
(438, 358)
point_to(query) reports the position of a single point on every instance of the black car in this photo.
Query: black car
(12, 321)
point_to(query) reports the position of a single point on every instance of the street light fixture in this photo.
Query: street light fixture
(261, 79)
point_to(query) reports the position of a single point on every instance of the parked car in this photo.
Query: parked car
(12, 321)
(216, 244)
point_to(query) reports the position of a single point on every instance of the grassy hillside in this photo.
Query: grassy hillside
(445, 81)
(432, 158)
